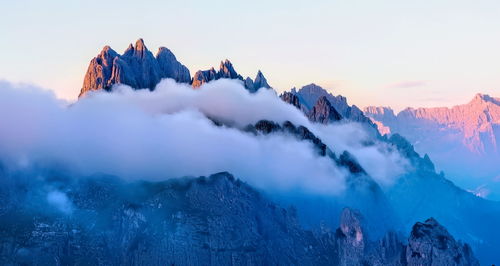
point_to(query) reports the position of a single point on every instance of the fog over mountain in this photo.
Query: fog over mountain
(219, 172)
(463, 140)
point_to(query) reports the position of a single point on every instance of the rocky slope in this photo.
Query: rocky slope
(215, 220)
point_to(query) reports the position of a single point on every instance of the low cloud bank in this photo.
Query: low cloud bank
(165, 133)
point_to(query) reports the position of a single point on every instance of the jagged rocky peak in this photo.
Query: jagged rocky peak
(139, 50)
(99, 71)
(260, 81)
(431, 244)
(480, 97)
(249, 85)
(291, 98)
(323, 112)
(203, 76)
(171, 67)
(310, 94)
(226, 70)
(137, 67)
(379, 110)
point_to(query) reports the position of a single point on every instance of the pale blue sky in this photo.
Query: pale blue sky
(398, 53)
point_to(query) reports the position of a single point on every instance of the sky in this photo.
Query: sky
(391, 53)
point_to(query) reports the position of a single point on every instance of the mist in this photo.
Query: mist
(167, 133)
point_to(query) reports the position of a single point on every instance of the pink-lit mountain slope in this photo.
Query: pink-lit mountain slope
(464, 140)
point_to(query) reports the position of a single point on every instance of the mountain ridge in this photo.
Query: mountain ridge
(466, 135)
(140, 69)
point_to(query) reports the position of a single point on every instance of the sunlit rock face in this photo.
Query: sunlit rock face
(137, 67)
(476, 122)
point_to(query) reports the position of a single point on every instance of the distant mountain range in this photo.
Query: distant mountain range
(412, 198)
(464, 140)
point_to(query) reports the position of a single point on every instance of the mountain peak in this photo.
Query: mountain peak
(139, 45)
(260, 81)
(137, 67)
(323, 112)
(480, 97)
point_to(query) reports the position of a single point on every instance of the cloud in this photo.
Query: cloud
(379, 159)
(407, 84)
(60, 201)
(165, 133)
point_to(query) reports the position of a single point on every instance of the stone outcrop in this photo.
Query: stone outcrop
(323, 112)
(431, 244)
(137, 67)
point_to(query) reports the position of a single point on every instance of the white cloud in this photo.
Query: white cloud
(160, 134)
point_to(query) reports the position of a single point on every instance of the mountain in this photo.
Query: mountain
(138, 68)
(227, 71)
(323, 112)
(464, 140)
(222, 220)
(215, 220)
(310, 94)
